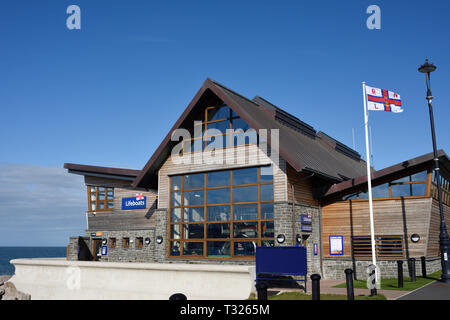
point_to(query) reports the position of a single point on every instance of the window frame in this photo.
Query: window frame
(231, 239)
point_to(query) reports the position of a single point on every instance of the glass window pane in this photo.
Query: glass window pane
(404, 179)
(245, 212)
(193, 248)
(175, 199)
(216, 143)
(101, 196)
(238, 123)
(266, 192)
(245, 230)
(246, 248)
(244, 138)
(194, 181)
(218, 179)
(110, 205)
(219, 113)
(93, 205)
(93, 189)
(222, 126)
(267, 229)
(195, 214)
(245, 194)
(218, 230)
(418, 189)
(101, 188)
(193, 231)
(93, 197)
(174, 248)
(176, 183)
(218, 213)
(266, 174)
(267, 243)
(192, 198)
(245, 176)
(401, 190)
(110, 195)
(381, 191)
(193, 145)
(420, 176)
(266, 210)
(101, 205)
(218, 249)
(175, 231)
(176, 215)
(218, 196)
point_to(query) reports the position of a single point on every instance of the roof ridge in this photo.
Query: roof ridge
(232, 91)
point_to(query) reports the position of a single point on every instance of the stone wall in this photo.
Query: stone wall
(334, 268)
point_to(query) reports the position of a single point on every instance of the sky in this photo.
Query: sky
(107, 94)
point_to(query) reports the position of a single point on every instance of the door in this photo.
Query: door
(96, 249)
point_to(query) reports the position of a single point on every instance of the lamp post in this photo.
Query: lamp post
(444, 241)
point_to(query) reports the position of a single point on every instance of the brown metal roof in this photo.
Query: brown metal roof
(383, 174)
(102, 170)
(302, 151)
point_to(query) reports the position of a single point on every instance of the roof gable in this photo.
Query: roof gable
(302, 151)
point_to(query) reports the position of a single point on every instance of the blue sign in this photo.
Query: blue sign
(307, 228)
(104, 250)
(134, 203)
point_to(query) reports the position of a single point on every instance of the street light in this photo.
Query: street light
(444, 241)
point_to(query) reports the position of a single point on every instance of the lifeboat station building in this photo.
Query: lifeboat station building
(235, 173)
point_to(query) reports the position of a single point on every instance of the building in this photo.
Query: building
(212, 198)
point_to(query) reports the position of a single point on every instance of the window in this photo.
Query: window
(139, 242)
(221, 214)
(112, 242)
(100, 198)
(388, 247)
(215, 121)
(126, 243)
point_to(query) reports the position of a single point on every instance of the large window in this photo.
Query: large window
(385, 246)
(409, 186)
(213, 125)
(221, 214)
(100, 198)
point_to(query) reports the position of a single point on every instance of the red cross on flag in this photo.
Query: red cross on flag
(383, 100)
(139, 196)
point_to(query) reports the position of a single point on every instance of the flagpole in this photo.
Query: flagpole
(369, 182)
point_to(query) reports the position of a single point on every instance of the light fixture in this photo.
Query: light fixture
(159, 239)
(415, 238)
(104, 242)
(147, 240)
(298, 238)
(281, 238)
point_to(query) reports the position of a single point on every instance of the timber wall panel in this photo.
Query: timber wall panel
(351, 218)
(302, 190)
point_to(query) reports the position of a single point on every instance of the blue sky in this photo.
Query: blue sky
(107, 94)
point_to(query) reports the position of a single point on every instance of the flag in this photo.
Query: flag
(383, 100)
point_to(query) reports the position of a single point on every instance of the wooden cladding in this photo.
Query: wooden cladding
(445, 188)
(386, 246)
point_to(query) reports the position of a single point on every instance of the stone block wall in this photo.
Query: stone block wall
(334, 268)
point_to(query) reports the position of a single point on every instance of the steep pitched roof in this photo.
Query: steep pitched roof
(299, 144)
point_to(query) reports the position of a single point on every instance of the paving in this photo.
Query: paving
(434, 291)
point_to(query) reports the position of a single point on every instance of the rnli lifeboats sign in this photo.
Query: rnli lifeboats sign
(138, 202)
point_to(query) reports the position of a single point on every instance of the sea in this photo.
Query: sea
(9, 253)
